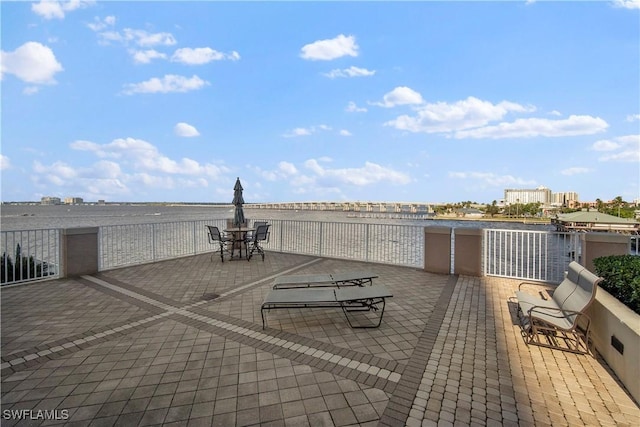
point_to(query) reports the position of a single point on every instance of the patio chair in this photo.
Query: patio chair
(260, 236)
(352, 299)
(346, 278)
(255, 226)
(218, 239)
(561, 321)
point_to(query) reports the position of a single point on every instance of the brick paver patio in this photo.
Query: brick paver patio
(181, 342)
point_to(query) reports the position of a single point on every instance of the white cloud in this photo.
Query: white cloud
(370, 173)
(353, 108)
(633, 117)
(319, 179)
(490, 179)
(168, 83)
(442, 117)
(535, 127)
(574, 171)
(144, 38)
(185, 130)
(401, 95)
(350, 72)
(621, 149)
(345, 132)
(100, 180)
(202, 55)
(122, 164)
(32, 63)
(143, 156)
(297, 132)
(285, 170)
(305, 131)
(627, 4)
(31, 90)
(329, 49)
(59, 171)
(100, 24)
(5, 163)
(52, 9)
(146, 56)
(106, 169)
(140, 38)
(605, 145)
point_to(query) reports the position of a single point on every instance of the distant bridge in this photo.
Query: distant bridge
(369, 207)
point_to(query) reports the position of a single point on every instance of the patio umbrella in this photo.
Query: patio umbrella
(238, 214)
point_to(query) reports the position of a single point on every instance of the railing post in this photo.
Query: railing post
(437, 250)
(468, 251)
(596, 245)
(79, 251)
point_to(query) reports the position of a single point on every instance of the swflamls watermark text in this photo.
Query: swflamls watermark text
(35, 414)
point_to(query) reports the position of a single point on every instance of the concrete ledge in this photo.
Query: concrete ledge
(79, 230)
(610, 318)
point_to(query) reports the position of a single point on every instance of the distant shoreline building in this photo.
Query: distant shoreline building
(539, 195)
(47, 200)
(589, 221)
(542, 195)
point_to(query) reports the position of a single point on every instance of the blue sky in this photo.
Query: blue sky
(324, 101)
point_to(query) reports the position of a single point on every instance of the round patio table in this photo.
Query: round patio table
(239, 237)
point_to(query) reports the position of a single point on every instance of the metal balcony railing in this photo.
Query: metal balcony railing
(29, 255)
(379, 243)
(529, 255)
(522, 254)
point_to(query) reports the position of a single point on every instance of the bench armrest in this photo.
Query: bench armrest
(546, 311)
(538, 284)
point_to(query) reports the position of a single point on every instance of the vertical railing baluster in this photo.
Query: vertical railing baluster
(153, 242)
(366, 240)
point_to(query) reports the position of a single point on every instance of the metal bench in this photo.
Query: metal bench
(560, 321)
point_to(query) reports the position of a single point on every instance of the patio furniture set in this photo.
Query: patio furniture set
(556, 319)
(252, 238)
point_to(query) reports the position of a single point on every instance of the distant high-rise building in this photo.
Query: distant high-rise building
(50, 200)
(73, 201)
(565, 198)
(539, 195)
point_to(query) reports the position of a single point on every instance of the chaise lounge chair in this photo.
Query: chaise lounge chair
(560, 322)
(349, 278)
(369, 298)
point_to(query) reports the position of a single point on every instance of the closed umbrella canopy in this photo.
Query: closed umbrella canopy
(238, 201)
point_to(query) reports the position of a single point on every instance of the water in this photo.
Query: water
(31, 217)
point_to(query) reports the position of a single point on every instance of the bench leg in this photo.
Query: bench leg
(370, 305)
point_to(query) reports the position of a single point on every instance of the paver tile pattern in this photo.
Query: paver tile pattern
(180, 342)
(40, 313)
